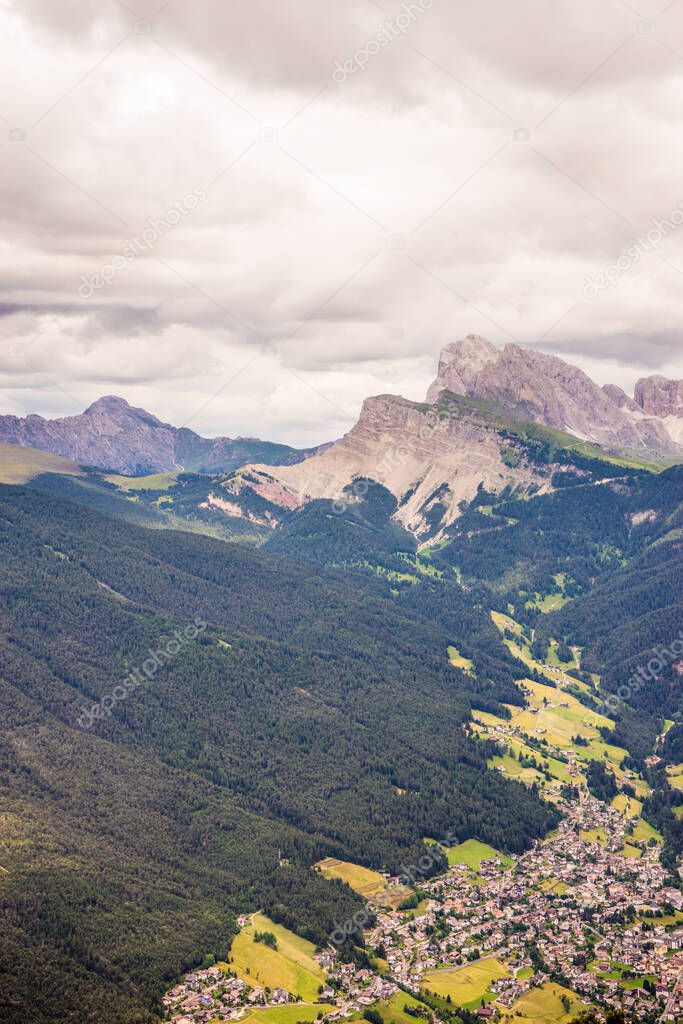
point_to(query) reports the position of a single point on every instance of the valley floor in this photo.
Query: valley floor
(587, 917)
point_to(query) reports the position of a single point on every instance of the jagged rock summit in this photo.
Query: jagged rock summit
(543, 388)
(434, 457)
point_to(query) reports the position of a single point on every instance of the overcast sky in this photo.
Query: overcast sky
(354, 184)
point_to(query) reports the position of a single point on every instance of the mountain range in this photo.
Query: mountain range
(493, 419)
(523, 384)
(111, 434)
(473, 432)
(407, 584)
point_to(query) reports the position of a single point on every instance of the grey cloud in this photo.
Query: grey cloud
(277, 249)
(649, 351)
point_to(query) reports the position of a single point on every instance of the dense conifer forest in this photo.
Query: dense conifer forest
(313, 715)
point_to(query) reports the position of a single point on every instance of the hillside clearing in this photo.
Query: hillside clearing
(364, 881)
(291, 966)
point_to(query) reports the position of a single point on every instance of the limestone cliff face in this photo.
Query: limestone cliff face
(659, 396)
(441, 452)
(620, 398)
(460, 365)
(424, 456)
(544, 389)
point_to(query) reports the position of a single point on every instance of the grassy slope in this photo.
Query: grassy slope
(472, 853)
(19, 465)
(468, 985)
(291, 966)
(364, 881)
(544, 1006)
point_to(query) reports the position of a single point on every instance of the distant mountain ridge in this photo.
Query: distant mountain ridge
(112, 434)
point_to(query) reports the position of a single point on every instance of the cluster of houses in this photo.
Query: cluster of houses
(572, 908)
(579, 904)
(587, 912)
(214, 993)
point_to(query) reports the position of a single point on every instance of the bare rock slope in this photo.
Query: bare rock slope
(439, 453)
(544, 389)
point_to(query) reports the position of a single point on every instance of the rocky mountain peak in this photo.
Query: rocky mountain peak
(660, 396)
(114, 435)
(542, 388)
(619, 397)
(118, 410)
(459, 364)
(107, 403)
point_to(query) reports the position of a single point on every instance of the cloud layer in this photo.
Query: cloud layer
(378, 179)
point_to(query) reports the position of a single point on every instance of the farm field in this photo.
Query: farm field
(633, 852)
(555, 670)
(504, 622)
(558, 769)
(291, 966)
(362, 880)
(472, 853)
(552, 601)
(514, 770)
(644, 832)
(554, 885)
(19, 465)
(289, 1014)
(467, 986)
(548, 602)
(675, 776)
(595, 835)
(675, 918)
(392, 1010)
(544, 1006)
(556, 715)
(555, 662)
(627, 805)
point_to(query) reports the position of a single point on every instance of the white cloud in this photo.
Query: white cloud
(495, 231)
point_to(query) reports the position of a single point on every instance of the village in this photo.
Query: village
(588, 918)
(572, 909)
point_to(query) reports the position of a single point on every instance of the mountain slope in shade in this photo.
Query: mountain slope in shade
(544, 389)
(115, 435)
(434, 456)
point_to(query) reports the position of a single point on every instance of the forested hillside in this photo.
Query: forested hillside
(312, 714)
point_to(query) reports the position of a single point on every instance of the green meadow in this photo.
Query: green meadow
(467, 986)
(364, 881)
(291, 966)
(472, 853)
(19, 465)
(544, 1006)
